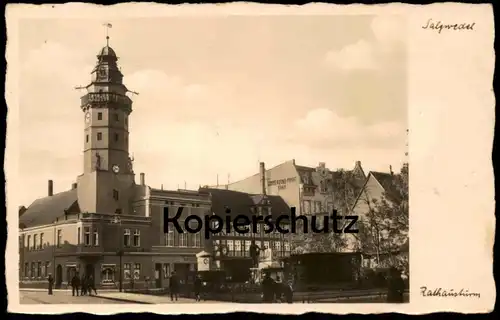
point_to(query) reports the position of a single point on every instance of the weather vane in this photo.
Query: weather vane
(108, 26)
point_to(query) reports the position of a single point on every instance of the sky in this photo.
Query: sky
(217, 95)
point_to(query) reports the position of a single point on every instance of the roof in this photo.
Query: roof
(357, 174)
(107, 51)
(385, 179)
(46, 210)
(242, 203)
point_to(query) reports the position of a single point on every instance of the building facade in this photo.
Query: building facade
(230, 251)
(311, 190)
(376, 187)
(106, 224)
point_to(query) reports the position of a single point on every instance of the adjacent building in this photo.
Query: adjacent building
(311, 190)
(230, 251)
(377, 186)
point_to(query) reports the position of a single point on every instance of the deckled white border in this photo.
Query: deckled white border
(451, 112)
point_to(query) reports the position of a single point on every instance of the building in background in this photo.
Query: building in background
(311, 190)
(231, 251)
(377, 186)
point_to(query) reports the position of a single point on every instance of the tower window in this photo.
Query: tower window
(117, 118)
(115, 194)
(87, 138)
(99, 136)
(99, 116)
(116, 136)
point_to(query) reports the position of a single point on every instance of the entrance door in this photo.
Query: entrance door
(182, 271)
(59, 274)
(158, 275)
(90, 271)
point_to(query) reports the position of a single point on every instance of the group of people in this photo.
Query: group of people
(175, 284)
(83, 286)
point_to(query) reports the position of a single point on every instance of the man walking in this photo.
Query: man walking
(396, 287)
(268, 289)
(91, 285)
(197, 287)
(51, 283)
(75, 284)
(83, 285)
(174, 286)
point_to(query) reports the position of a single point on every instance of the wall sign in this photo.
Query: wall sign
(281, 183)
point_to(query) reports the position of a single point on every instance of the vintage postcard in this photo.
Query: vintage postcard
(235, 157)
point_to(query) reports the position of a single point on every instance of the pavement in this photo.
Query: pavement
(145, 298)
(61, 297)
(38, 296)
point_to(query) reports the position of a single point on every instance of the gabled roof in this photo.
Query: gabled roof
(385, 179)
(242, 203)
(358, 175)
(46, 210)
(238, 202)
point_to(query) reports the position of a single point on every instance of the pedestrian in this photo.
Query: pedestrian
(268, 289)
(75, 284)
(396, 287)
(91, 285)
(197, 287)
(288, 292)
(83, 285)
(174, 286)
(51, 283)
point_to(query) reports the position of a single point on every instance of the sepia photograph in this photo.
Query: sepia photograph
(235, 159)
(256, 114)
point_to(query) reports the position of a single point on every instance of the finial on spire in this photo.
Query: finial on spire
(108, 26)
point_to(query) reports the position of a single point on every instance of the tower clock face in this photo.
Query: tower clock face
(87, 117)
(116, 168)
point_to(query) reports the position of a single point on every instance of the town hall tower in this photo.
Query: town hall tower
(107, 182)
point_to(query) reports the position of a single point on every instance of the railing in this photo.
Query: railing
(105, 97)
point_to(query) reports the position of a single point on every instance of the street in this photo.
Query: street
(60, 297)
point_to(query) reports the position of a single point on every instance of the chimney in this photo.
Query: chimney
(73, 186)
(263, 177)
(51, 188)
(390, 170)
(358, 163)
(143, 180)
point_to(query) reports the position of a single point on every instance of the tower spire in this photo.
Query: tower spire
(107, 26)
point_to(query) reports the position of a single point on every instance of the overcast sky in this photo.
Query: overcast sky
(218, 94)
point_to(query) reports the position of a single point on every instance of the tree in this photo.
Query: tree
(342, 191)
(384, 228)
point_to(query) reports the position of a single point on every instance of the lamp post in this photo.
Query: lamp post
(117, 221)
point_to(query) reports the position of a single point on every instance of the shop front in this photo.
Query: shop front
(183, 265)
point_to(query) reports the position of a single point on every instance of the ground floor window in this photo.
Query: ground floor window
(137, 271)
(107, 274)
(126, 270)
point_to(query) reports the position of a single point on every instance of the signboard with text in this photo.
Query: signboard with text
(281, 183)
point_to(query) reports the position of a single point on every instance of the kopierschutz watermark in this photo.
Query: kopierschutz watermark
(242, 224)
